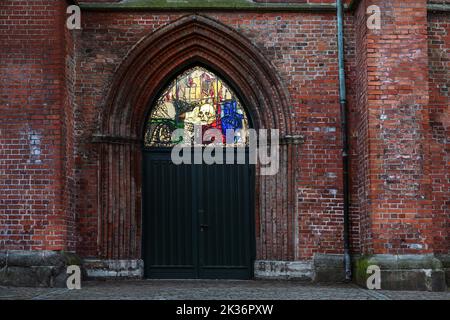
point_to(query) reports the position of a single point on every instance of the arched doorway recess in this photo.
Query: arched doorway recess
(191, 40)
(197, 217)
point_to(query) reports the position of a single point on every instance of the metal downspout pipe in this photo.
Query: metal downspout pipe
(345, 142)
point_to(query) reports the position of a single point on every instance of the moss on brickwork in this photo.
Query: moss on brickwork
(360, 269)
(206, 4)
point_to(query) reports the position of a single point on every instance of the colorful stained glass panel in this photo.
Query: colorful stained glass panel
(196, 99)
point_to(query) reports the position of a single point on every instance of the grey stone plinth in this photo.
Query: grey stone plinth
(329, 267)
(403, 272)
(296, 270)
(445, 260)
(98, 269)
(35, 268)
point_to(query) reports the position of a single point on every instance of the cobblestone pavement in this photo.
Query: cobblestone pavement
(213, 290)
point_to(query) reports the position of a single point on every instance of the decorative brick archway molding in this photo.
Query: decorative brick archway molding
(155, 59)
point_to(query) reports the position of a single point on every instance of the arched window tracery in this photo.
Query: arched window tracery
(196, 99)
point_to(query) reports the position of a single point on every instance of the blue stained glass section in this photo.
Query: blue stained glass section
(230, 116)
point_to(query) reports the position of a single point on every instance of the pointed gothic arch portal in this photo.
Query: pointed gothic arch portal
(197, 218)
(260, 102)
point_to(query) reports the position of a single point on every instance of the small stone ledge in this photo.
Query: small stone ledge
(284, 270)
(403, 272)
(35, 268)
(107, 269)
(199, 5)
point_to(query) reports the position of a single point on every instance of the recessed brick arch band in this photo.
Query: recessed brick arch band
(144, 72)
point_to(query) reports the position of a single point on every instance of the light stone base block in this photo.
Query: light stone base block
(421, 272)
(98, 269)
(298, 270)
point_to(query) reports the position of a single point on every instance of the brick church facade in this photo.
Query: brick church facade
(74, 106)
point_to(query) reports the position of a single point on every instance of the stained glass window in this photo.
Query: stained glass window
(197, 100)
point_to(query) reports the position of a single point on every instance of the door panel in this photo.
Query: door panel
(168, 219)
(225, 250)
(197, 219)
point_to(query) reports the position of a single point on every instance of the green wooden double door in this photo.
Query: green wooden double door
(198, 220)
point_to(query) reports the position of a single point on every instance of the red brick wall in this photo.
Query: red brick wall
(54, 84)
(314, 93)
(33, 131)
(398, 211)
(68, 132)
(361, 133)
(103, 44)
(439, 113)
(310, 77)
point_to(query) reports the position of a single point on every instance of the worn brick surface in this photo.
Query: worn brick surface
(439, 114)
(395, 190)
(35, 128)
